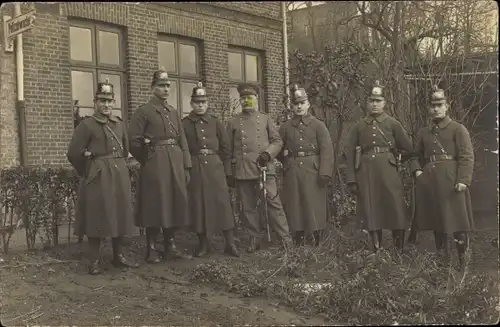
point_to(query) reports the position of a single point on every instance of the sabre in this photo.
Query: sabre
(263, 179)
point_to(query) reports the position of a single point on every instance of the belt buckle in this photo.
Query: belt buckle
(171, 141)
(204, 151)
(432, 158)
(376, 149)
(301, 154)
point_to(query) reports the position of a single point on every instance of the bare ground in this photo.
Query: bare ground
(52, 287)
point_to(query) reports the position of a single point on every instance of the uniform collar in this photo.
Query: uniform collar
(158, 104)
(250, 115)
(195, 118)
(104, 120)
(443, 123)
(369, 119)
(306, 119)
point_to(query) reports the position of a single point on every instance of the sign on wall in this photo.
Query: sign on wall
(15, 26)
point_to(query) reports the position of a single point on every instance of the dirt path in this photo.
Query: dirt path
(64, 294)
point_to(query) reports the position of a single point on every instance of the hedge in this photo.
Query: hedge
(41, 199)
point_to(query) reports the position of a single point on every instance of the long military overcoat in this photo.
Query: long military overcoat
(439, 206)
(380, 199)
(304, 200)
(162, 193)
(249, 134)
(209, 201)
(104, 207)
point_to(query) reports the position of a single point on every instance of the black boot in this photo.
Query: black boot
(94, 244)
(441, 240)
(151, 252)
(169, 245)
(299, 238)
(254, 245)
(118, 259)
(230, 248)
(398, 239)
(203, 246)
(317, 238)
(462, 244)
(376, 237)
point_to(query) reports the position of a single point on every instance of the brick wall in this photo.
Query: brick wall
(49, 109)
(9, 140)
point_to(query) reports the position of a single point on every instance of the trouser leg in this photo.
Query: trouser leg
(275, 212)
(247, 192)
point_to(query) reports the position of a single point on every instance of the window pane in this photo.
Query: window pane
(234, 100)
(117, 87)
(80, 43)
(235, 66)
(187, 59)
(82, 88)
(186, 91)
(173, 95)
(166, 56)
(251, 68)
(109, 48)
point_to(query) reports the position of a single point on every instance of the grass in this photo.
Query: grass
(344, 284)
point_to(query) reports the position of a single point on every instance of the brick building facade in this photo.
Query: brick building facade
(72, 46)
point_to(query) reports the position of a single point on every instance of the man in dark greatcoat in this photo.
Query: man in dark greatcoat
(254, 141)
(158, 142)
(373, 148)
(442, 187)
(97, 151)
(209, 201)
(307, 168)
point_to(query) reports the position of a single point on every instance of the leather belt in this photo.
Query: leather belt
(204, 152)
(440, 157)
(376, 149)
(304, 154)
(170, 141)
(107, 156)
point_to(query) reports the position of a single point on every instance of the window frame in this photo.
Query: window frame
(259, 84)
(97, 68)
(178, 76)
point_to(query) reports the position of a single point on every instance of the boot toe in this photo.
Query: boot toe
(232, 251)
(94, 268)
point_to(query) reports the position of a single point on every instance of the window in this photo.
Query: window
(181, 59)
(96, 54)
(244, 66)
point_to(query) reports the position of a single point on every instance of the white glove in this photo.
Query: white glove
(147, 141)
(460, 187)
(418, 173)
(87, 153)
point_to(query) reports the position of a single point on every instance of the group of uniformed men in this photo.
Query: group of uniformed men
(187, 166)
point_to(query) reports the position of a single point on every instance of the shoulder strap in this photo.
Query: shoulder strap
(382, 133)
(114, 136)
(434, 133)
(170, 122)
